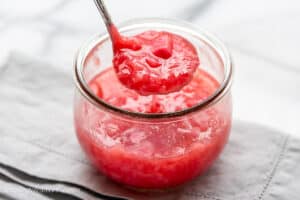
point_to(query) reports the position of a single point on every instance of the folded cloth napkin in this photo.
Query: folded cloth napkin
(41, 159)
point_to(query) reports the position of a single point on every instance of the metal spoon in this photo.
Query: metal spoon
(106, 18)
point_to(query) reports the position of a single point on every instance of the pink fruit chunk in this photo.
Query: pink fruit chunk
(157, 62)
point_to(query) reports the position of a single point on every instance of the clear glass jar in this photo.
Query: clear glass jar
(146, 150)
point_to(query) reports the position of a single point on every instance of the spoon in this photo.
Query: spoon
(111, 29)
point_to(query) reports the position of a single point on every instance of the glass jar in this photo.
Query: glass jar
(153, 151)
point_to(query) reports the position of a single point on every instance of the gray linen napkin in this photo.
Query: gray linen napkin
(39, 153)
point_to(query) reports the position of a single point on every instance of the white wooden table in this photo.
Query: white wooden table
(263, 36)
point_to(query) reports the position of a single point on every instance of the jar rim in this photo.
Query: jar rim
(211, 40)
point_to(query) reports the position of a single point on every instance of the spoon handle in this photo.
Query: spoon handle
(104, 14)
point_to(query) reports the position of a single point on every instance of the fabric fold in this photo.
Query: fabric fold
(10, 190)
(51, 188)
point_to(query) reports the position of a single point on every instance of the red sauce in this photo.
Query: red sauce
(156, 154)
(154, 62)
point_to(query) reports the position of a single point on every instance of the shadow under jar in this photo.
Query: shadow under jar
(153, 150)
